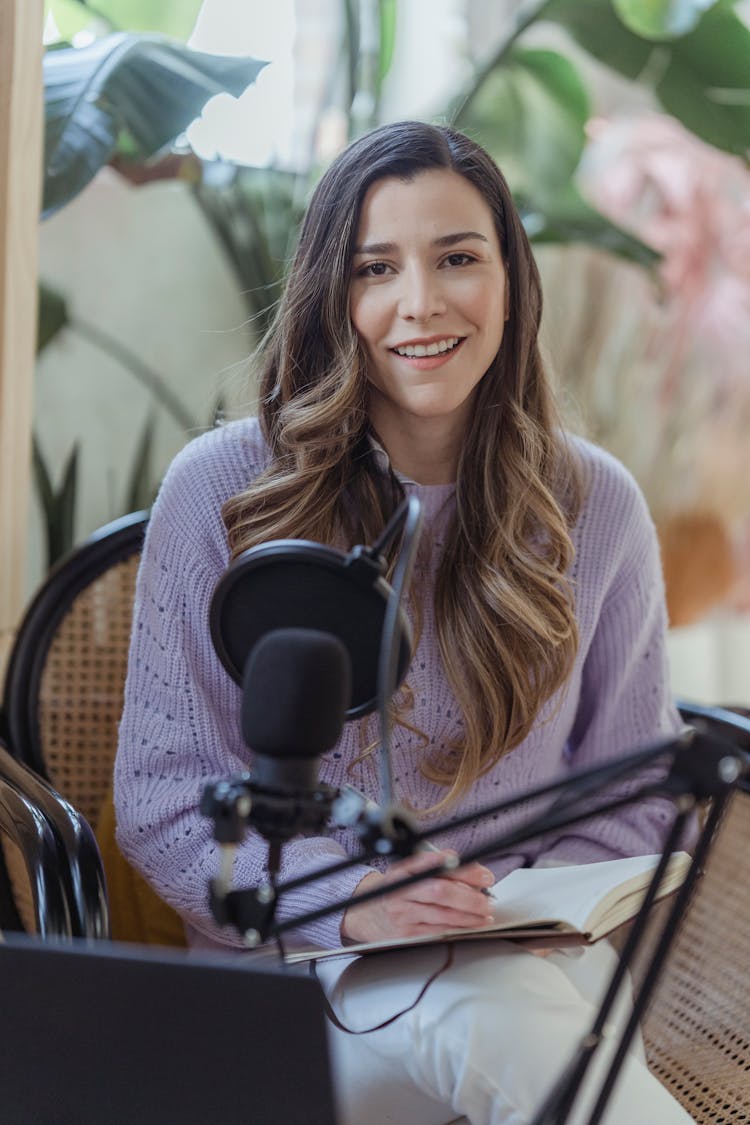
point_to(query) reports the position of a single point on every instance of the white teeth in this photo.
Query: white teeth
(416, 351)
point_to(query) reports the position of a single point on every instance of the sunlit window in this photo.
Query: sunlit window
(258, 127)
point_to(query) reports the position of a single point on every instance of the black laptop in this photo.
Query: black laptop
(111, 1034)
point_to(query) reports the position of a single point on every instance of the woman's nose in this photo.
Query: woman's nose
(421, 294)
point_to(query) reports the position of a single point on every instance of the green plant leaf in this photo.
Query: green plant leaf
(58, 505)
(145, 85)
(70, 17)
(569, 218)
(661, 19)
(706, 84)
(255, 216)
(170, 17)
(42, 475)
(388, 23)
(595, 26)
(141, 490)
(701, 78)
(52, 316)
(530, 113)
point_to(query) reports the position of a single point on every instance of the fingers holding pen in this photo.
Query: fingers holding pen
(474, 874)
(450, 900)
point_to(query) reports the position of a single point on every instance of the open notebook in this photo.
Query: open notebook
(581, 903)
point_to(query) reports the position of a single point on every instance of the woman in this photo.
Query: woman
(404, 360)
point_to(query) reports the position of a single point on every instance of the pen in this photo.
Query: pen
(426, 846)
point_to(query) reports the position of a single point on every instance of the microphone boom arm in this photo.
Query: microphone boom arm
(703, 767)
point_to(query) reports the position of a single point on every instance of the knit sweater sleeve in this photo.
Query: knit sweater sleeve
(180, 728)
(625, 700)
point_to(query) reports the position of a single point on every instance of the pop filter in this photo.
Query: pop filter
(299, 584)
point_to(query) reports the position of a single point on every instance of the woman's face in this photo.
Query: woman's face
(428, 296)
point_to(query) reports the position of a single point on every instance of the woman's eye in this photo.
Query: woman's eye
(458, 259)
(373, 269)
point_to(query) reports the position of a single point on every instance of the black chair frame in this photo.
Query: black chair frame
(19, 721)
(76, 854)
(25, 825)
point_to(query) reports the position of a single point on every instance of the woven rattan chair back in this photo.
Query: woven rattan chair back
(697, 1031)
(81, 688)
(64, 689)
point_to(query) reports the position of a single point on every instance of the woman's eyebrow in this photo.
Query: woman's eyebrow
(460, 236)
(376, 248)
(443, 240)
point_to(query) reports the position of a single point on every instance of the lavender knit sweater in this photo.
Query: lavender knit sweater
(180, 725)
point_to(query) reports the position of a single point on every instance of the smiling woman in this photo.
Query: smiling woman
(404, 361)
(429, 306)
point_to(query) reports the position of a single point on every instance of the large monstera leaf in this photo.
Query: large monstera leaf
(141, 89)
(694, 54)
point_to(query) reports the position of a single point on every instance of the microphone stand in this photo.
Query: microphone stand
(703, 767)
(408, 515)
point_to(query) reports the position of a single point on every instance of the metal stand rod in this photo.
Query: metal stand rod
(701, 767)
(558, 1103)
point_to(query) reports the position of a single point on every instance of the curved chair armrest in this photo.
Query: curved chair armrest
(78, 855)
(27, 827)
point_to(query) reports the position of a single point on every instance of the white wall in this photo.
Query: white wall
(142, 265)
(710, 661)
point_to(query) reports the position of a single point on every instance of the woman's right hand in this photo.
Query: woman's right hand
(442, 902)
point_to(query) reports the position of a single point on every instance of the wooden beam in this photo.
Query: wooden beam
(20, 185)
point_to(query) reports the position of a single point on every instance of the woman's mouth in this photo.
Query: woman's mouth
(424, 351)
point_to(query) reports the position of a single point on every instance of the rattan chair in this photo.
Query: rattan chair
(64, 687)
(62, 703)
(697, 1031)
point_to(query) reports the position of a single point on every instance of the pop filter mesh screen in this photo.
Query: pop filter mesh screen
(305, 593)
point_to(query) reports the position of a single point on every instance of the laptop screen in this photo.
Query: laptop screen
(112, 1034)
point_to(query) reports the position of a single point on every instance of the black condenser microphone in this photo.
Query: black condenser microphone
(296, 687)
(314, 636)
(295, 691)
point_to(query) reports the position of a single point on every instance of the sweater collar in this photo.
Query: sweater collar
(383, 463)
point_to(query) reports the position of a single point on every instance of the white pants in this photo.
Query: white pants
(487, 1040)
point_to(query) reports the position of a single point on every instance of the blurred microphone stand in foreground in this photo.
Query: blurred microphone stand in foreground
(700, 767)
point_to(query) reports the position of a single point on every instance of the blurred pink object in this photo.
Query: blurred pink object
(690, 202)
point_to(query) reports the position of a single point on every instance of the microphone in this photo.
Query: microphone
(314, 636)
(296, 686)
(295, 690)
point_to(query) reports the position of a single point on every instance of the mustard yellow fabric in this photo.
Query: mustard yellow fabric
(137, 913)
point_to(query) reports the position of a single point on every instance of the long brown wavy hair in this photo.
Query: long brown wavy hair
(503, 604)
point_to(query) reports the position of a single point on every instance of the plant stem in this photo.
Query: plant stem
(145, 375)
(350, 48)
(522, 19)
